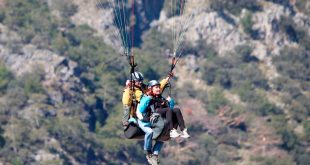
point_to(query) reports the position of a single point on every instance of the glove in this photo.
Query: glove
(170, 74)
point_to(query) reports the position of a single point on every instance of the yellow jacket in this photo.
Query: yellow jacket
(138, 92)
(127, 95)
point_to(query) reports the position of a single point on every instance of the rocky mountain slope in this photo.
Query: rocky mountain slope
(243, 81)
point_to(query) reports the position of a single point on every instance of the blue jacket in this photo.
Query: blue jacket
(145, 103)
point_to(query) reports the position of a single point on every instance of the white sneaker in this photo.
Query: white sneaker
(174, 133)
(184, 134)
(151, 159)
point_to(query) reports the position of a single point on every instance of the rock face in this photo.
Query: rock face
(25, 58)
(213, 27)
(2, 3)
(43, 156)
(29, 58)
(99, 15)
(208, 26)
(271, 40)
(58, 71)
(225, 35)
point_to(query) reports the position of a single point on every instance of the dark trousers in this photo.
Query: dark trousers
(174, 118)
(166, 113)
(177, 119)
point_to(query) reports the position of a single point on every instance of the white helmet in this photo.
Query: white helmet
(153, 83)
(137, 76)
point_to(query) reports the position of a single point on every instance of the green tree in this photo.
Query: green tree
(307, 129)
(289, 139)
(294, 63)
(245, 53)
(65, 7)
(173, 8)
(234, 6)
(303, 6)
(2, 16)
(294, 32)
(5, 77)
(303, 159)
(216, 100)
(247, 25)
(2, 139)
(32, 20)
(31, 82)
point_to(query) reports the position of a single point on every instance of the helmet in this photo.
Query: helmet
(137, 76)
(152, 83)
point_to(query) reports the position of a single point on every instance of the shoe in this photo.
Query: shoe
(151, 159)
(125, 124)
(156, 158)
(174, 133)
(184, 134)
